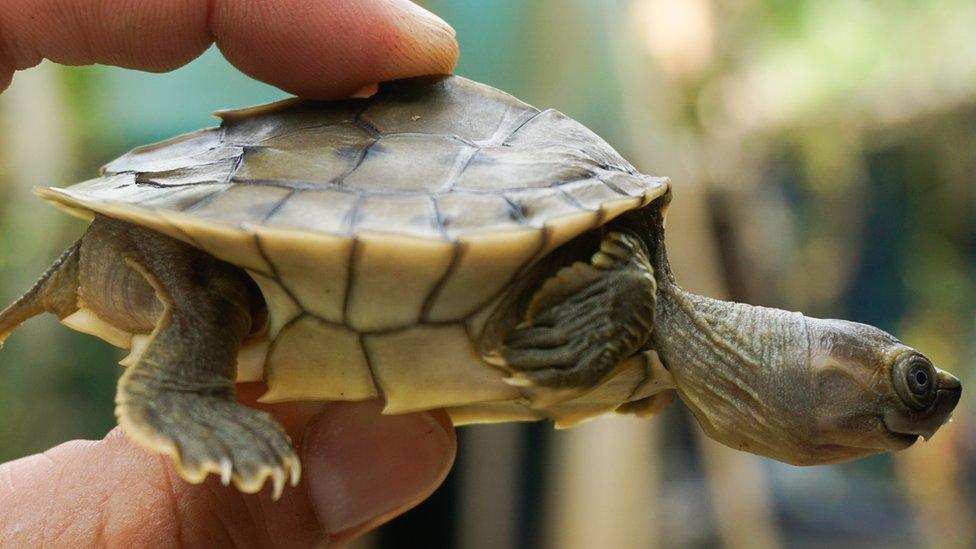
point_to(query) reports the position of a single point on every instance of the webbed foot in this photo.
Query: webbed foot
(207, 431)
(586, 319)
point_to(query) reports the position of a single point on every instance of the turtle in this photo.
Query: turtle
(438, 245)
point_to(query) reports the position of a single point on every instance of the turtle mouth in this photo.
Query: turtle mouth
(900, 440)
(909, 425)
(904, 440)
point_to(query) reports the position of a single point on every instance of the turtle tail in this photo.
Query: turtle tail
(55, 292)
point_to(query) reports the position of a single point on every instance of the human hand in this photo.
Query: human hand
(322, 49)
(359, 468)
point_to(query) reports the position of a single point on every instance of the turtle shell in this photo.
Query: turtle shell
(415, 207)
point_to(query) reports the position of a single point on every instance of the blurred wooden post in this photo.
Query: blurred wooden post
(488, 487)
(38, 150)
(738, 488)
(602, 488)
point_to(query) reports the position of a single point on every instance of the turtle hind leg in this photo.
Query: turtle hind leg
(55, 292)
(586, 319)
(178, 396)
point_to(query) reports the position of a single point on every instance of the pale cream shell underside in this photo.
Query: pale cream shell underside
(396, 354)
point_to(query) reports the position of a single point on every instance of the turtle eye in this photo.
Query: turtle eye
(919, 379)
(914, 379)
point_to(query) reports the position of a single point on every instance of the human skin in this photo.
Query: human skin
(360, 468)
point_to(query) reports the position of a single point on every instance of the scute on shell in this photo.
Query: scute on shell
(474, 183)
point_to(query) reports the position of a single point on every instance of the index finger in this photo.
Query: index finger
(318, 49)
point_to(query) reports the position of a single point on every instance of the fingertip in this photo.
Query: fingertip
(445, 423)
(331, 49)
(363, 468)
(434, 41)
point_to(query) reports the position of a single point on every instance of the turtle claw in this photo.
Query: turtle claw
(518, 380)
(205, 434)
(278, 483)
(296, 472)
(226, 468)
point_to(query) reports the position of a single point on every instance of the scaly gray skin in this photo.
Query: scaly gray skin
(178, 397)
(798, 389)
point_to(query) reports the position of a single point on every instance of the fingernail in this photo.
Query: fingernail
(365, 91)
(422, 15)
(363, 468)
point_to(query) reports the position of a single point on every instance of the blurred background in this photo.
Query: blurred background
(824, 159)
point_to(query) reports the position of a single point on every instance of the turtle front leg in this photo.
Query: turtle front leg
(177, 396)
(586, 319)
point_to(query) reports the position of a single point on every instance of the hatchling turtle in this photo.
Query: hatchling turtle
(438, 245)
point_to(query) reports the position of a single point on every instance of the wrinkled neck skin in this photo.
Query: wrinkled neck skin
(743, 370)
(798, 389)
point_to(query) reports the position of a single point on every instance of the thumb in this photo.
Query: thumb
(359, 470)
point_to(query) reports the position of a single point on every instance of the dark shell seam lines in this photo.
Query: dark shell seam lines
(276, 275)
(369, 364)
(435, 292)
(350, 278)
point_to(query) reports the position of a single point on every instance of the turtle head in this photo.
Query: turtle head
(871, 392)
(797, 389)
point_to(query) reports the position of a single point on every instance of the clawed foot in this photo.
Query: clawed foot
(568, 345)
(210, 434)
(584, 320)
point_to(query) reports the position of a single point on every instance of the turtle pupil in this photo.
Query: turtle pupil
(921, 378)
